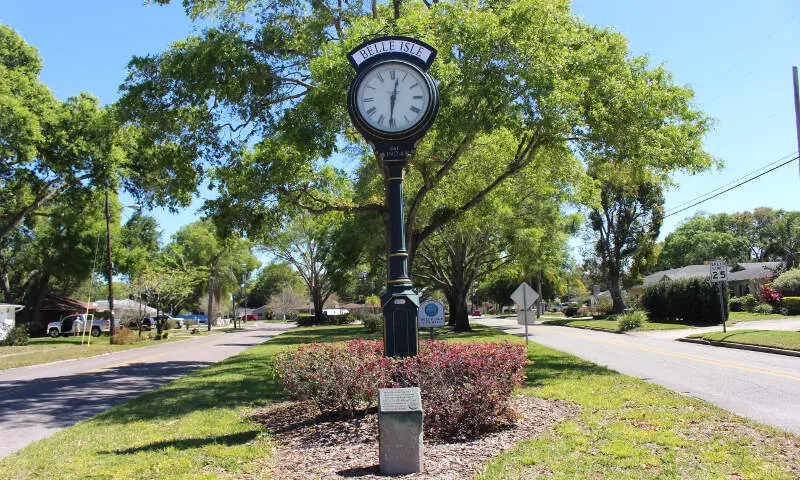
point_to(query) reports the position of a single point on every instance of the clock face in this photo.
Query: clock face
(393, 97)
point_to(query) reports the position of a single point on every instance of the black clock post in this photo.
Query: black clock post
(393, 103)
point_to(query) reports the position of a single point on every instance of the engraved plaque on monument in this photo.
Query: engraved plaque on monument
(400, 430)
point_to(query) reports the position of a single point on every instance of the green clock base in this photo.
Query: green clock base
(400, 336)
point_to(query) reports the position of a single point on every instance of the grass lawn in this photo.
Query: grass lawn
(766, 338)
(197, 427)
(611, 325)
(46, 349)
(736, 317)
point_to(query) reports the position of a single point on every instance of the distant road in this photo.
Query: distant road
(39, 400)
(761, 386)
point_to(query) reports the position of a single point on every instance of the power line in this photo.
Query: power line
(731, 188)
(732, 181)
(588, 244)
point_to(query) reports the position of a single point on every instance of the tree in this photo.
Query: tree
(626, 224)
(785, 238)
(259, 95)
(453, 260)
(139, 241)
(166, 287)
(224, 258)
(304, 243)
(56, 252)
(633, 152)
(701, 238)
(287, 300)
(272, 279)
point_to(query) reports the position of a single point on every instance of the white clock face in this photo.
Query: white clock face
(392, 97)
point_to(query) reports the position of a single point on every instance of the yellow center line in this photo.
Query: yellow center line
(694, 358)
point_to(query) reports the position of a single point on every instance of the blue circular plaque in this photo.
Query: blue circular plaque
(431, 309)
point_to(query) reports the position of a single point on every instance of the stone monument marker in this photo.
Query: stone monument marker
(400, 430)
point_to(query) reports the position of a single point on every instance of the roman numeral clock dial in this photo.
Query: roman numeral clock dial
(392, 97)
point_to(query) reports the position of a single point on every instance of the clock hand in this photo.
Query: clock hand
(392, 99)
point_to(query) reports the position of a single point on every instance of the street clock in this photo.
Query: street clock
(393, 101)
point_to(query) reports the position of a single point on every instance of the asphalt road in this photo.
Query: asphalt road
(37, 401)
(761, 386)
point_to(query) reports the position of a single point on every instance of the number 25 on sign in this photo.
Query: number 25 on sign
(719, 271)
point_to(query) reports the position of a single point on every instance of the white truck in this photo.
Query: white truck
(78, 323)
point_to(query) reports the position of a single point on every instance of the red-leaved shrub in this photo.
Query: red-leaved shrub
(465, 386)
(342, 377)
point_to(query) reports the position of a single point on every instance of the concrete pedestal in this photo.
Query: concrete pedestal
(400, 435)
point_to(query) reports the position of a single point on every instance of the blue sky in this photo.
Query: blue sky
(737, 56)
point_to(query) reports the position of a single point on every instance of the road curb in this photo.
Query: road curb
(741, 346)
(581, 327)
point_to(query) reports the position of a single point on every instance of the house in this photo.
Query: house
(743, 278)
(54, 307)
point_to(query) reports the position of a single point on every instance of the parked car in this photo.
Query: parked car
(476, 312)
(151, 323)
(247, 317)
(74, 325)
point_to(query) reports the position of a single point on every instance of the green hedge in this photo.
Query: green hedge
(307, 320)
(788, 283)
(792, 305)
(746, 303)
(693, 300)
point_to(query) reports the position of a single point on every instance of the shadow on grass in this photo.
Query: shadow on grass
(324, 334)
(187, 443)
(245, 379)
(546, 366)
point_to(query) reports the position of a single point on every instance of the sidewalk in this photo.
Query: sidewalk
(790, 323)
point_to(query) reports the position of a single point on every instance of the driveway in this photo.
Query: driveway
(761, 386)
(39, 400)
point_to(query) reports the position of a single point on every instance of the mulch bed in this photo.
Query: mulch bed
(312, 445)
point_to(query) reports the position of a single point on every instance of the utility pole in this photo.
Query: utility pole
(112, 329)
(797, 109)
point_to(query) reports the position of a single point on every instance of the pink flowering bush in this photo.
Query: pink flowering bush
(465, 386)
(770, 295)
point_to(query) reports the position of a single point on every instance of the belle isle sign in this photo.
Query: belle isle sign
(413, 48)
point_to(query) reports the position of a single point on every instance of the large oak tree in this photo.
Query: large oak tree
(259, 95)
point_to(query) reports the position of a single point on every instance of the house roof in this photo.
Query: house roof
(58, 303)
(736, 272)
(127, 305)
(750, 271)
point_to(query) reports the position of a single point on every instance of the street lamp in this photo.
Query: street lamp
(110, 270)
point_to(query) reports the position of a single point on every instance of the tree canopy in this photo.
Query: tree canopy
(260, 96)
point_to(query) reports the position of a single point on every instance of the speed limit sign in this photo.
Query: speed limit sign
(719, 271)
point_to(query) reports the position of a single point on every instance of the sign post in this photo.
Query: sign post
(719, 274)
(526, 296)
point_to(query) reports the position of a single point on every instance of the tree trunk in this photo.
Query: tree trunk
(38, 292)
(6, 285)
(316, 298)
(459, 316)
(210, 295)
(539, 300)
(616, 294)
